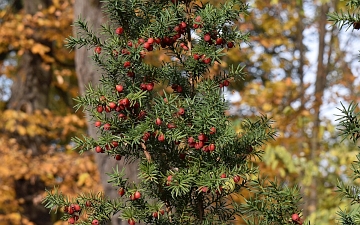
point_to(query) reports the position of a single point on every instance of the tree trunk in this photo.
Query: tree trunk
(87, 73)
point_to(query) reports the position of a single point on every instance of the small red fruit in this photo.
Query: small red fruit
(162, 212)
(169, 178)
(130, 74)
(212, 130)
(125, 102)
(88, 204)
(137, 195)
(226, 83)
(207, 37)
(223, 175)
(129, 44)
(146, 136)
(98, 149)
(141, 40)
(131, 222)
(219, 41)
(119, 88)
(95, 222)
(71, 220)
(202, 137)
(118, 157)
(158, 121)
(179, 89)
(183, 25)
(212, 147)
(147, 45)
(205, 189)
(155, 214)
(230, 44)
(107, 126)
(119, 30)
(236, 178)
(112, 105)
(97, 123)
(127, 64)
(207, 60)
(150, 86)
(171, 126)
(161, 138)
(181, 111)
(121, 191)
(191, 140)
(150, 41)
(76, 207)
(196, 56)
(98, 50)
(198, 19)
(99, 109)
(295, 217)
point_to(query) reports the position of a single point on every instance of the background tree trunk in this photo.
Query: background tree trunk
(87, 73)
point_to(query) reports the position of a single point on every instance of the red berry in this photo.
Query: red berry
(118, 157)
(207, 60)
(77, 208)
(150, 41)
(198, 19)
(71, 220)
(115, 53)
(196, 26)
(162, 212)
(125, 51)
(196, 56)
(295, 217)
(236, 178)
(122, 116)
(226, 83)
(107, 126)
(158, 121)
(119, 30)
(147, 45)
(125, 102)
(212, 130)
(112, 105)
(95, 222)
(98, 149)
(98, 50)
(129, 44)
(131, 222)
(181, 111)
(204, 189)
(127, 64)
(155, 214)
(161, 138)
(137, 195)
(230, 44)
(88, 204)
(183, 25)
(130, 74)
(171, 126)
(207, 37)
(119, 88)
(97, 123)
(169, 178)
(150, 86)
(191, 140)
(121, 191)
(212, 147)
(179, 89)
(223, 175)
(165, 100)
(100, 109)
(177, 29)
(146, 136)
(141, 40)
(219, 41)
(202, 137)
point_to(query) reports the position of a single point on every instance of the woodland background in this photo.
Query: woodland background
(298, 66)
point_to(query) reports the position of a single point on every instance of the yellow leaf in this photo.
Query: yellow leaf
(40, 49)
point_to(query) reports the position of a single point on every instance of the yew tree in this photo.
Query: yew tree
(191, 161)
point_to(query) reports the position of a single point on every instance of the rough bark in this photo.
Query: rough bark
(87, 73)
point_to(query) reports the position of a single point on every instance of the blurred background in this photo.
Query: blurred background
(298, 66)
